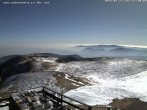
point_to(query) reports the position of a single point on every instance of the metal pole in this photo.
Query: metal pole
(61, 100)
(44, 95)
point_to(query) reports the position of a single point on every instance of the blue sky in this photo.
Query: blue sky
(66, 22)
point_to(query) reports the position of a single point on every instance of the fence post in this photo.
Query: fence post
(44, 95)
(61, 100)
(42, 88)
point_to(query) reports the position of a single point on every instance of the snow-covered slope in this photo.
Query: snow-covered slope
(92, 81)
(109, 78)
(104, 67)
(24, 81)
(106, 90)
(117, 78)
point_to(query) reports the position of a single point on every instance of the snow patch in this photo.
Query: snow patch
(48, 59)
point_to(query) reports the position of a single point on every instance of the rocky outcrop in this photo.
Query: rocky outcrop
(33, 63)
(13, 66)
(69, 58)
(129, 104)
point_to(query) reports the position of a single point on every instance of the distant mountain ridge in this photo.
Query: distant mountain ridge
(108, 47)
(112, 51)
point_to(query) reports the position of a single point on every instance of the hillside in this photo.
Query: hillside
(93, 81)
(6, 58)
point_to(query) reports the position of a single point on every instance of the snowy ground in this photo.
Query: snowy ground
(106, 90)
(25, 81)
(116, 83)
(108, 78)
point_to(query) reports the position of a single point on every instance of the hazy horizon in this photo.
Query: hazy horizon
(66, 23)
(58, 50)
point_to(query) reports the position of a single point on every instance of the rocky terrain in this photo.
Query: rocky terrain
(129, 104)
(90, 80)
(28, 71)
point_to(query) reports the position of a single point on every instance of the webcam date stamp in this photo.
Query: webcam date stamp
(126, 1)
(26, 3)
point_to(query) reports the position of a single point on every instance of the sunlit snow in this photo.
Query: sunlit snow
(113, 78)
(109, 78)
(103, 92)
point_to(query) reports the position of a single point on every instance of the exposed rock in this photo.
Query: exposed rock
(31, 63)
(69, 59)
(129, 104)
